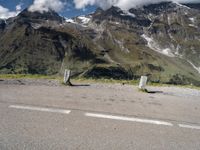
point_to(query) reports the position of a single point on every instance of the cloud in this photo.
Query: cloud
(46, 5)
(6, 13)
(103, 3)
(19, 7)
(123, 4)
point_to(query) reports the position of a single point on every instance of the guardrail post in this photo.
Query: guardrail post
(143, 82)
(67, 76)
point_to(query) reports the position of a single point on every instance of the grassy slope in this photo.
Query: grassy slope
(49, 57)
(89, 80)
(141, 60)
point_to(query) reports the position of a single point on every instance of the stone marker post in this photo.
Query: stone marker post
(67, 76)
(143, 82)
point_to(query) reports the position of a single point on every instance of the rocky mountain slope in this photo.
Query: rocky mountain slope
(160, 40)
(30, 43)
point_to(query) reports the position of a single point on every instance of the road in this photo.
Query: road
(98, 117)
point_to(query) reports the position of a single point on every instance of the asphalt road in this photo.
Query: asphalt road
(111, 118)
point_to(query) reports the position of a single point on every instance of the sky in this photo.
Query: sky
(72, 8)
(68, 11)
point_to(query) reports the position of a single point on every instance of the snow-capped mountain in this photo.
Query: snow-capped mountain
(159, 26)
(160, 40)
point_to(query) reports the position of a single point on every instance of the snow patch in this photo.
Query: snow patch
(167, 51)
(121, 45)
(154, 46)
(178, 47)
(36, 26)
(192, 20)
(127, 13)
(169, 20)
(192, 25)
(70, 20)
(184, 6)
(117, 23)
(195, 67)
(84, 20)
(5, 21)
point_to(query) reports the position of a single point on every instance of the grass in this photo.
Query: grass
(91, 80)
(26, 76)
(106, 81)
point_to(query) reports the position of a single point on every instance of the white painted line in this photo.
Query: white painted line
(52, 110)
(157, 122)
(189, 126)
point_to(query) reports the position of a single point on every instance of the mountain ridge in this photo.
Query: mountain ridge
(159, 40)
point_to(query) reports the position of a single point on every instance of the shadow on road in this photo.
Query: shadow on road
(153, 92)
(80, 85)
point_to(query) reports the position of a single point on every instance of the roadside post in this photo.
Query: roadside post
(67, 76)
(143, 83)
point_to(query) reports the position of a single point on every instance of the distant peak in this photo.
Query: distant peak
(49, 15)
(27, 12)
(193, 5)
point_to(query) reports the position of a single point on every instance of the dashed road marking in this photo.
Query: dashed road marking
(156, 122)
(42, 109)
(104, 116)
(189, 126)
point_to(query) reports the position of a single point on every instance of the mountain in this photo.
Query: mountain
(193, 5)
(33, 43)
(159, 40)
(37, 16)
(2, 25)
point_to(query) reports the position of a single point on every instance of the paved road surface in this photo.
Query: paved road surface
(98, 117)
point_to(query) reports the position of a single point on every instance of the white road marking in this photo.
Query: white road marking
(43, 109)
(95, 115)
(157, 122)
(189, 126)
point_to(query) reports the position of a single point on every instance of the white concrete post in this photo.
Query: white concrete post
(67, 76)
(143, 82)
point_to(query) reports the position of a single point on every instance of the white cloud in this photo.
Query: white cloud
(19, 7)
(46, 5)
(123, 4)
(6, 13)
(103, 3)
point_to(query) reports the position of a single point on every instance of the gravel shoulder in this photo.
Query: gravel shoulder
(30, 82)
(164, 90)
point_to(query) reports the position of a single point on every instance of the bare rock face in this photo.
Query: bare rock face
(175, 32)
(28, 16)
(2, 25)
(160, 40)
